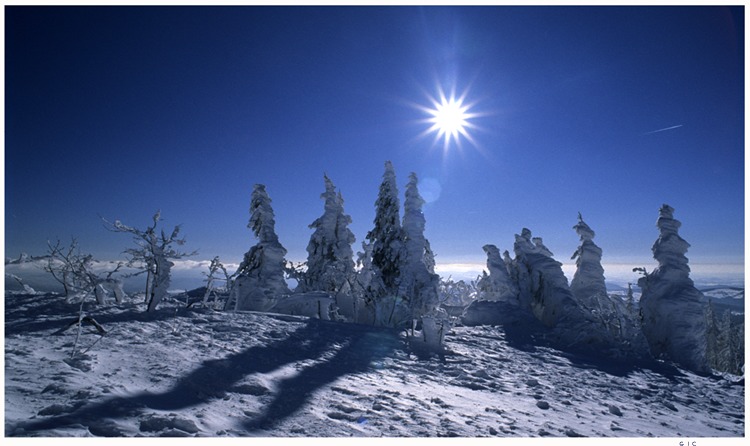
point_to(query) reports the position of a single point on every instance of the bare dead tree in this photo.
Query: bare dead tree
(74, 271)
(152, 255)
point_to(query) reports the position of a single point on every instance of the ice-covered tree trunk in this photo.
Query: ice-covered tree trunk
(588, 286)
(417, 283)
(673, 315)
(152, 256)
(161, 279)
(214, 267)
(330, 264)
(260, 278)
(386, 239)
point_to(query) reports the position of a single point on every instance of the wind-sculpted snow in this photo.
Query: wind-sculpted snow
(260, 278)
(237, 374)
(497, 286)
(542, 284)
(588, 285)
(673, 313)
(542, 291)
(330, 266)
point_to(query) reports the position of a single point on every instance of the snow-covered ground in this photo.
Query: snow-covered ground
(199, 372)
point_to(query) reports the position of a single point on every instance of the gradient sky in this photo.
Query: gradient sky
(610, 111)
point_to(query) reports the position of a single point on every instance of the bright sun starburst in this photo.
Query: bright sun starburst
(449, 118)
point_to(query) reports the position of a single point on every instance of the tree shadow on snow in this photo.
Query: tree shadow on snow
(348, 349)
(360, 354)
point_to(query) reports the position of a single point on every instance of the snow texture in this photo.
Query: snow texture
(672, 308)
(300, 377)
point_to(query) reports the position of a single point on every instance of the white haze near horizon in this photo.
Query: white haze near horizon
(189, 274)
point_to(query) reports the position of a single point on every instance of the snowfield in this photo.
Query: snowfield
(180, 372)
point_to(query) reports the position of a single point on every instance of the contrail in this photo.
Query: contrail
(664, 129)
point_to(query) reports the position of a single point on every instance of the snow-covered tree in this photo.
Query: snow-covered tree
(417, 283)
(330, 264)
(497, 284)
(724, 341)
(386, 238)
(588, 286)
(543, 287)
(213, 276)
(630, 301)
(674, 322)
(259, 281)
(153, 254)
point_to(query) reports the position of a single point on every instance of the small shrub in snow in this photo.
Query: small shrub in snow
(152, 255)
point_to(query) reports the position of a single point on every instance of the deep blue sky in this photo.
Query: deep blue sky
(120, 111)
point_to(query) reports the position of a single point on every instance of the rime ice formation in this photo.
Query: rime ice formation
(542, 284)
(497, 285)
(417, 282)
(673, 315)
(161, 279)
(260, 277)
(538, 291)
(588, 285)
(316, 304)
(330, 266)
(383, 301)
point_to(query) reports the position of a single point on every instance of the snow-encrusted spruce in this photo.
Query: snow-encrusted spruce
(588, 285)
(417, 281)
(389, 309)
(724, 342)
(260, 281)
(497, 285)
(330, 264)
(590, 291)
(673, 313)
(543, 287)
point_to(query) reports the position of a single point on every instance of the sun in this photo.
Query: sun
(450, 119)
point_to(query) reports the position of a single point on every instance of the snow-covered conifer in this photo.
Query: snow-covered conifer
(387, 246)
(588, 286)
(260, 281)
(330, 264)
(543, 287)
(497, 284)
(673, 314)
(417, 283)
(630, 301)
